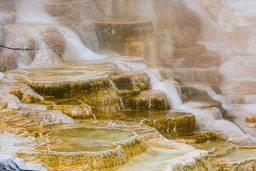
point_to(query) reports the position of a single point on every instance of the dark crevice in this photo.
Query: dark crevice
(2, 46)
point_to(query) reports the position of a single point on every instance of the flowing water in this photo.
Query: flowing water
(33, 12)
(156, 80)
(166, 86)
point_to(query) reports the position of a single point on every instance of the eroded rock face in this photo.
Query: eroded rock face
(131, 81)
(8, 59)
(94, 90)
(27, 42)
(127, 36)
(197, 95)
(26, 94)
(147, 100)
(134, 89)
(75, 111)
(174, 124)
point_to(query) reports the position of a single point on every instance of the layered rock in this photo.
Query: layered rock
(134, 91)
(174, 124)
(127, 36)
(96, 92)
(199, 95)
(26, 94)
(73, 108)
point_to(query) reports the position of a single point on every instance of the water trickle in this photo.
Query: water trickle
(75, 49)
(120, 98)
(166, 86)
(156, 80)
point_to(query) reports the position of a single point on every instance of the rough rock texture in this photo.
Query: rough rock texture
(147, 100)
(75, 111)
(134, 87)
(132, 81)
(197, 95)
(28, 118)
(26, 94)
(29, 42)
(246, 165)
(127, 36)
(96, 92)
(174, 124)
(8, 59)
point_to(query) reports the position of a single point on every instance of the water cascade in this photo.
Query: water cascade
(166, 85)
(75, 49)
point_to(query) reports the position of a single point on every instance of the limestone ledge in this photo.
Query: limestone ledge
(243, 165)
(128, 81)
(75, 111)
(103, 92)
(26, 94)
(173, 125)
(149, 100)
(128, 36)
(192, 160)
(94, 160)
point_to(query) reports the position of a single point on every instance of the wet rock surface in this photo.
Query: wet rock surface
(174, 124)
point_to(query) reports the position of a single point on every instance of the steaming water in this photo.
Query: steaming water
(33, 12)
(209, 23)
